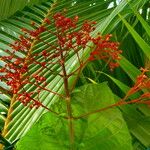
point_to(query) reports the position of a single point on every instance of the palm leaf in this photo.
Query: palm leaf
(142, 44)
(9, 7)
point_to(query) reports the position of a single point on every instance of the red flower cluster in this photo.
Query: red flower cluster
(63, 23)
(12, 71)
(69, 39)
(106, 50)
(15, 72)
(34, 33)
(142, 82)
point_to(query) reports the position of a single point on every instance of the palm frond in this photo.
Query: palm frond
(9, 7)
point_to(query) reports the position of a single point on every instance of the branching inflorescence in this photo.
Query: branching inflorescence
(69, 39)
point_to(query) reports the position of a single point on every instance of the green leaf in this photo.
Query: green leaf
(4, 141)
(9, 7)
(129, 68)
(142, 44)
(138, 124)
(102, 131)
(49, 131)
(145, 25)
(105, 130)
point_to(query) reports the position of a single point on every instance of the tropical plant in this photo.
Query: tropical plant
(111, 130)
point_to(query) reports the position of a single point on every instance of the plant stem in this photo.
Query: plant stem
(108, 107)
(69, 111)
(70, 122)
(68, 100)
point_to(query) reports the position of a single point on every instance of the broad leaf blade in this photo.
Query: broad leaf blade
(107, 129)
(103, 131)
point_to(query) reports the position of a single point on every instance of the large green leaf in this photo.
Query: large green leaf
(137, 122)
(103, 131)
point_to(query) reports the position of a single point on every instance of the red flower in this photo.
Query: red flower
(46, 20)
(106, 50)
